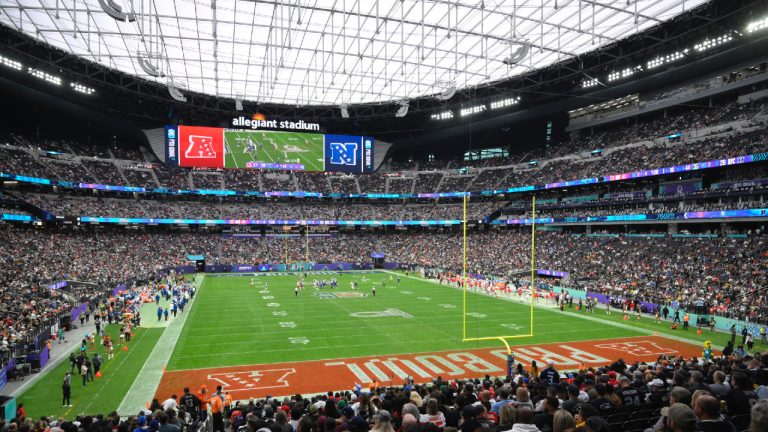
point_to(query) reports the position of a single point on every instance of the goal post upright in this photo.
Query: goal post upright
(533, 254)
(502, 338)
(464, 269)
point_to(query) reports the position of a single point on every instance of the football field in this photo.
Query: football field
(264, 340)
(242, 147)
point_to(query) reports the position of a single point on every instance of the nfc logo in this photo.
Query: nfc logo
(343, 154)
(200, 148)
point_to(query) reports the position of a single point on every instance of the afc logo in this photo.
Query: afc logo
(343, 154)
(200, 148)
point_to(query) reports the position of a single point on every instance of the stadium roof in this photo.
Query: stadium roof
(332, 52)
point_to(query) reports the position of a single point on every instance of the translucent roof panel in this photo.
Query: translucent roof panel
(333, 52)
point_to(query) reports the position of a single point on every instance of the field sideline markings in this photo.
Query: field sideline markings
(574, 314)
(147, 380)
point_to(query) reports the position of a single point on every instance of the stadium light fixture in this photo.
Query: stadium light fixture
(44, 76)
(115, 11)
(13, 64)
(757, 25)
(344, 110)
(176, 94)
(628, 72)
(403, 110)
(445, 115)
(505, 102)
(589, 82)
(447, 93)
(472, 110)
(666, 59)
(82, 89)
(707, 44)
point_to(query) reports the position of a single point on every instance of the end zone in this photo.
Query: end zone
(316, 376)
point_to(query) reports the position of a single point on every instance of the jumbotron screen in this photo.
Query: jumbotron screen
(209, 147)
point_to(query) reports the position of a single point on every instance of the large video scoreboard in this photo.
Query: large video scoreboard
(209, 147)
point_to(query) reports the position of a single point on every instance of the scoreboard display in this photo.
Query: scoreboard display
(209, 147)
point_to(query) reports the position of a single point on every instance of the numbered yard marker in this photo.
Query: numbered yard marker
(288, 324)
(299, 340)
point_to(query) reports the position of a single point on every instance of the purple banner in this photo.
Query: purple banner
(75, 313)
(57, 285)
(680, 188)
(740, 184)
(555, 273)
(4, 372)
(273, 165)
(244, 268)
(45, 355)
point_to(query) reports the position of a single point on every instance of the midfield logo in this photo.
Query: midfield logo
(200, 148)
(343, 154)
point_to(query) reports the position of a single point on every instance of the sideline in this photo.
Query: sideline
(573, 314)
(145, 384)
(55, 360)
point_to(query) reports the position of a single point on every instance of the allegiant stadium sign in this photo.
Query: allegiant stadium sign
(259, 122)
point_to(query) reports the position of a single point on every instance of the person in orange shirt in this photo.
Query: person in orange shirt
(202, 396)
(217, 410)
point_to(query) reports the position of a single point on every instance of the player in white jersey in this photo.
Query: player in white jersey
(250, 146)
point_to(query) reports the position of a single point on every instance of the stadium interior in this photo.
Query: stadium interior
(500, 184)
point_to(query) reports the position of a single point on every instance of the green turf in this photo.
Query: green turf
(233, 324)
(103, 394)
(278, 147)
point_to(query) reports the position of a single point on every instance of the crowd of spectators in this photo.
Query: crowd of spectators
(552, 166)
(345, 184)
(207, 180)
(428, 181)
(671, 394)
(76, 206)
(726, 273)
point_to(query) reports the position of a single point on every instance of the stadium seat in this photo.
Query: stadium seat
(635, 424)
(741, 422)
(619, 417)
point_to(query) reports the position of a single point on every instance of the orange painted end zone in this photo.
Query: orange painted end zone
(280, 379)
